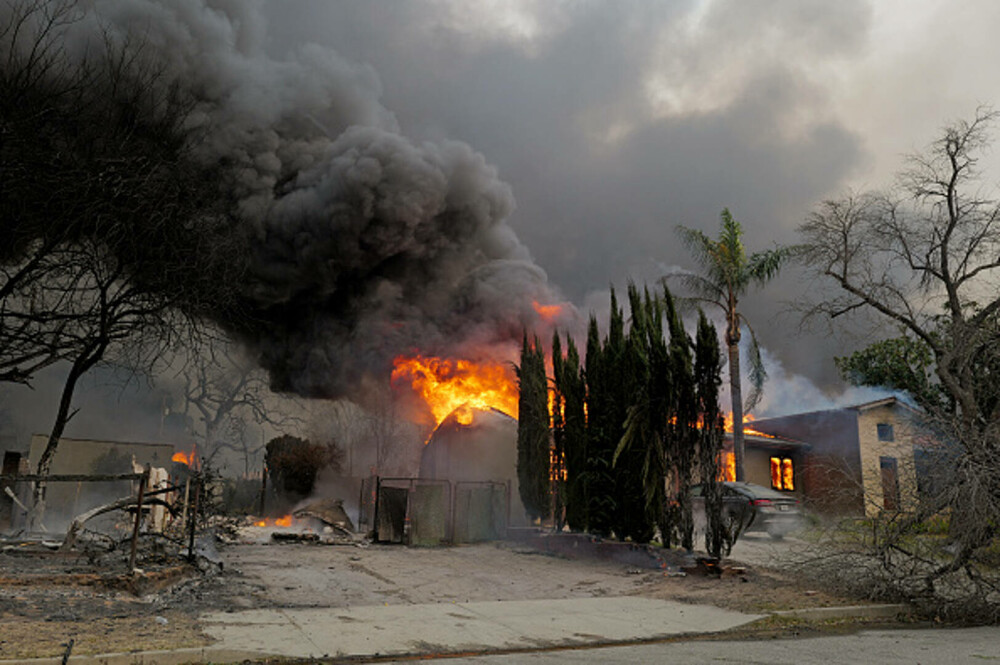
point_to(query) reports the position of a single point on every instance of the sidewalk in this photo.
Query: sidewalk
(433, 629)
(478, 626)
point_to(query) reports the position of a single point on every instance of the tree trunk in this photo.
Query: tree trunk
(737, 395)
(87, 359)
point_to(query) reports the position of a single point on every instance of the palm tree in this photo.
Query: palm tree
(727, 275)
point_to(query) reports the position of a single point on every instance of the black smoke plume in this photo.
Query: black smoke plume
(364, 244)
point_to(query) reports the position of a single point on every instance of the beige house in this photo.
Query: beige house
(861, 459)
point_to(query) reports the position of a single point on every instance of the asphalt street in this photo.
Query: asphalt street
(890, 647)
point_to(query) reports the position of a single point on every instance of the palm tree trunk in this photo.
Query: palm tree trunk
(737, 395)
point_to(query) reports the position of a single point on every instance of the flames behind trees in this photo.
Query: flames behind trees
(639, 414)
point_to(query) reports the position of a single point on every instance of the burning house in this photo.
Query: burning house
(476, 446)
(860, 459)
(771, 461)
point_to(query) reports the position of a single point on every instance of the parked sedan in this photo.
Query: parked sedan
(755, 507)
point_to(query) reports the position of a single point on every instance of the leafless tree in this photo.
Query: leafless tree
(925, 258)
(346, 423)
(112, 231)
(224, 391)
(387, 431)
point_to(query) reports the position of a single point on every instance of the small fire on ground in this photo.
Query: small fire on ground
(449, 385)
(285, 521)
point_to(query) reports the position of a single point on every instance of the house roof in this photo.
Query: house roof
(885, 401)
(761, 440)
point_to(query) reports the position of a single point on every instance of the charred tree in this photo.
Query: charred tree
(224, 391)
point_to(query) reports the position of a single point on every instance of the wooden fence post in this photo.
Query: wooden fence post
(143, 480)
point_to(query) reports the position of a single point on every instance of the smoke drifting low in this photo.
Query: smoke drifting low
(366, 245)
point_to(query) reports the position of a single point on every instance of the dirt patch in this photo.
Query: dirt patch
(48, 598)
(753, 590)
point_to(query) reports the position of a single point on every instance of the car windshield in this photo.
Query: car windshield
(758, 491)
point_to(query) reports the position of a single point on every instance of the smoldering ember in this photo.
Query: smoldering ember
(281, 378)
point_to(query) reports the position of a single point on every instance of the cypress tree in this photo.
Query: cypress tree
(708, 377)
(601, 505)
(558, 435)
(631, 457)
(533, 431)
(660, 446)
(577, 502)
(684, 420)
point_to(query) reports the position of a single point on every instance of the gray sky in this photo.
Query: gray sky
(615, 121)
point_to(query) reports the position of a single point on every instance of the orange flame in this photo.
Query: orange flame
(445, 385)
(275, 521)
(727, 467)
(748, 418)
(548, 312)
(187, 459)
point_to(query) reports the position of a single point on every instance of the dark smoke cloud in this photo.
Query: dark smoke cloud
(601, 174)
(366, 244)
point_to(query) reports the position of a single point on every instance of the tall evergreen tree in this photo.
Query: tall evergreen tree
(533, 430)
(558, 435)
(684, 419)
(707, 371)
(602, 500)
(577, 479)
(637, 458)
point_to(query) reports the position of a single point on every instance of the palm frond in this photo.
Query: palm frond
(704, 289)
(706, 252)
(763, 266)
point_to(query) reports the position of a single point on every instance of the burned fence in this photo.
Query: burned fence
(416, 511)
(149, 497)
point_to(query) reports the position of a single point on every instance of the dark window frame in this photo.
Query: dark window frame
(886, 432)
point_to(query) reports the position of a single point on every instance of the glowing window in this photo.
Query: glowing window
(782, 474)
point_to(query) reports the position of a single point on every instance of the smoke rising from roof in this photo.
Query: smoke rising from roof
(366, 244)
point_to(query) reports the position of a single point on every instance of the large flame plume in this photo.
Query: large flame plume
(446, 385)
(548, 313)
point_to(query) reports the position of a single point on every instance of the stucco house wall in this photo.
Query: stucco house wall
(875, 452)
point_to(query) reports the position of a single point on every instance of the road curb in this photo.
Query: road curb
(846, 612)
(206, 654)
